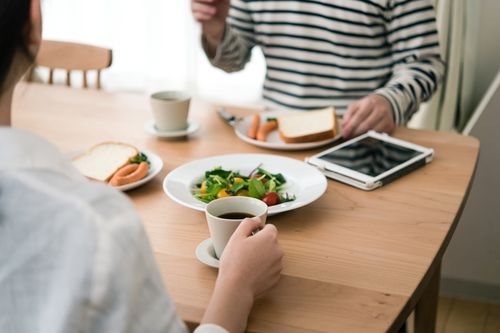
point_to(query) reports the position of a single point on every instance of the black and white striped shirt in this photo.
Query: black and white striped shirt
(333, 52)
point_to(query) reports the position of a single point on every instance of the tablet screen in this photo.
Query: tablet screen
(370, 156)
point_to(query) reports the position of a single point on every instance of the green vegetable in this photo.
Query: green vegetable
(141, 157)
(271, 186)
(238, 187)
(256, 189)
(257, 185)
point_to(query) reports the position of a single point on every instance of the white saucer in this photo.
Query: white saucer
(151, 129)
(206, 254)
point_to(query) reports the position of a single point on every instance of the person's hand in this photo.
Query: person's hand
(212, 15)
(252, 262)
(250, 265)
(373, 112)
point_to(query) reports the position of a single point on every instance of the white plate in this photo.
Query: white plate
(273, 140)
(206, 254)
(150, 127)
(303, 180)
(154, 168)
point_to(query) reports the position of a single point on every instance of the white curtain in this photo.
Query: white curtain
(155, 46)
(459, 25)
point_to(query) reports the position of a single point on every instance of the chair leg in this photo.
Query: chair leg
(85, 83)
(51, 76)
(68, 78)
(99, 79)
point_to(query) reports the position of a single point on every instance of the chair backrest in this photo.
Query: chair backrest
(72, 57)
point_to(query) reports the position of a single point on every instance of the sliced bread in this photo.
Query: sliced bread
(308, 126)
(103, 160)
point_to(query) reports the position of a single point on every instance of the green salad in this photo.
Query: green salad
(260, 184)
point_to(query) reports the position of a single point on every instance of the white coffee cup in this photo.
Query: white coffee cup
(221, 228)
(170, 110)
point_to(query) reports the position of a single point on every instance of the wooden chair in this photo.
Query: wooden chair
(72, 57)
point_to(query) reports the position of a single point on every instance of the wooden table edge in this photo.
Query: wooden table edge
(427, 291)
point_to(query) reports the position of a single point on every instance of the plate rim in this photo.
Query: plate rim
(192, 128)
(273, 210)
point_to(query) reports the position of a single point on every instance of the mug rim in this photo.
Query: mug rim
(181, 96)
(232, 198)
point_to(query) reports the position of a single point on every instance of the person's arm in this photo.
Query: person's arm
(227, 41)
(417, 70)
(126, 280)
(250, 266)
(418, 67)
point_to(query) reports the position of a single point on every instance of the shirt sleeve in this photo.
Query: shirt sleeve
(417, 64)
(210, 328)
(234, 50)
(125, 280)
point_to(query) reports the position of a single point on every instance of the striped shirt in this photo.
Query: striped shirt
(333, 52)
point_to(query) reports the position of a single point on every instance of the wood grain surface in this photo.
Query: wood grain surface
(354, 261)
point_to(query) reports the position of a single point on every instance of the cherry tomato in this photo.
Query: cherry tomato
(271, 198)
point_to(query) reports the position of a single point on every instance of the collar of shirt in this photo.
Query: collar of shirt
(24, 150)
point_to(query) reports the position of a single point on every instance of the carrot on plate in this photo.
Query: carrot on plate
(254, 127)
(265, 129)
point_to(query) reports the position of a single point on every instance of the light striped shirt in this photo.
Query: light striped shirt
(334, 52)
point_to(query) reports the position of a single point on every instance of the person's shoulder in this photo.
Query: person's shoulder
(108, 209)
(49, 197)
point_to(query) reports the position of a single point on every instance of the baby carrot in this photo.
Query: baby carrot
(265, 129)
(252, 130)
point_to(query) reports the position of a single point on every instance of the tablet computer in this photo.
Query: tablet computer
(371, 160)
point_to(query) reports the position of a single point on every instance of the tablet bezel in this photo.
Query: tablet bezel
(362, 180)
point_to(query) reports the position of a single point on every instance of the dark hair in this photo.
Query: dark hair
(14, 25)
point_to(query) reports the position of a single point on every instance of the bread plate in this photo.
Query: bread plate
(273, 140)
(303, 180)
(155, 166)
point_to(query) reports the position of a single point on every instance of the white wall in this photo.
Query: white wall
(471, 265)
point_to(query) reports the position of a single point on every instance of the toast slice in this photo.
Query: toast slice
(308, 126)
(103, 160)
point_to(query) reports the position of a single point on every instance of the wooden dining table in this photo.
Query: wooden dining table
(354, 261)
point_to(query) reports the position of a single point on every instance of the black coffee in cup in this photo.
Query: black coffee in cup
(235, 216)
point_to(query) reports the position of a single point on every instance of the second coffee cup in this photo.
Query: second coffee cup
(170, 110)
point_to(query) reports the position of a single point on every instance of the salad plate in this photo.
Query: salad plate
(155, 166)
(304, 183)
(273, 140)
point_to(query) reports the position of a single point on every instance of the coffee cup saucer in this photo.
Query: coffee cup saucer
(206, 254)
(150, 127)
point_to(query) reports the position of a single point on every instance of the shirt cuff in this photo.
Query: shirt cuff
(220, 48)
(210, 328)
(397, 113)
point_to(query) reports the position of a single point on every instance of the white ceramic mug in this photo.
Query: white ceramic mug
(170, 110)
(221, 229)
